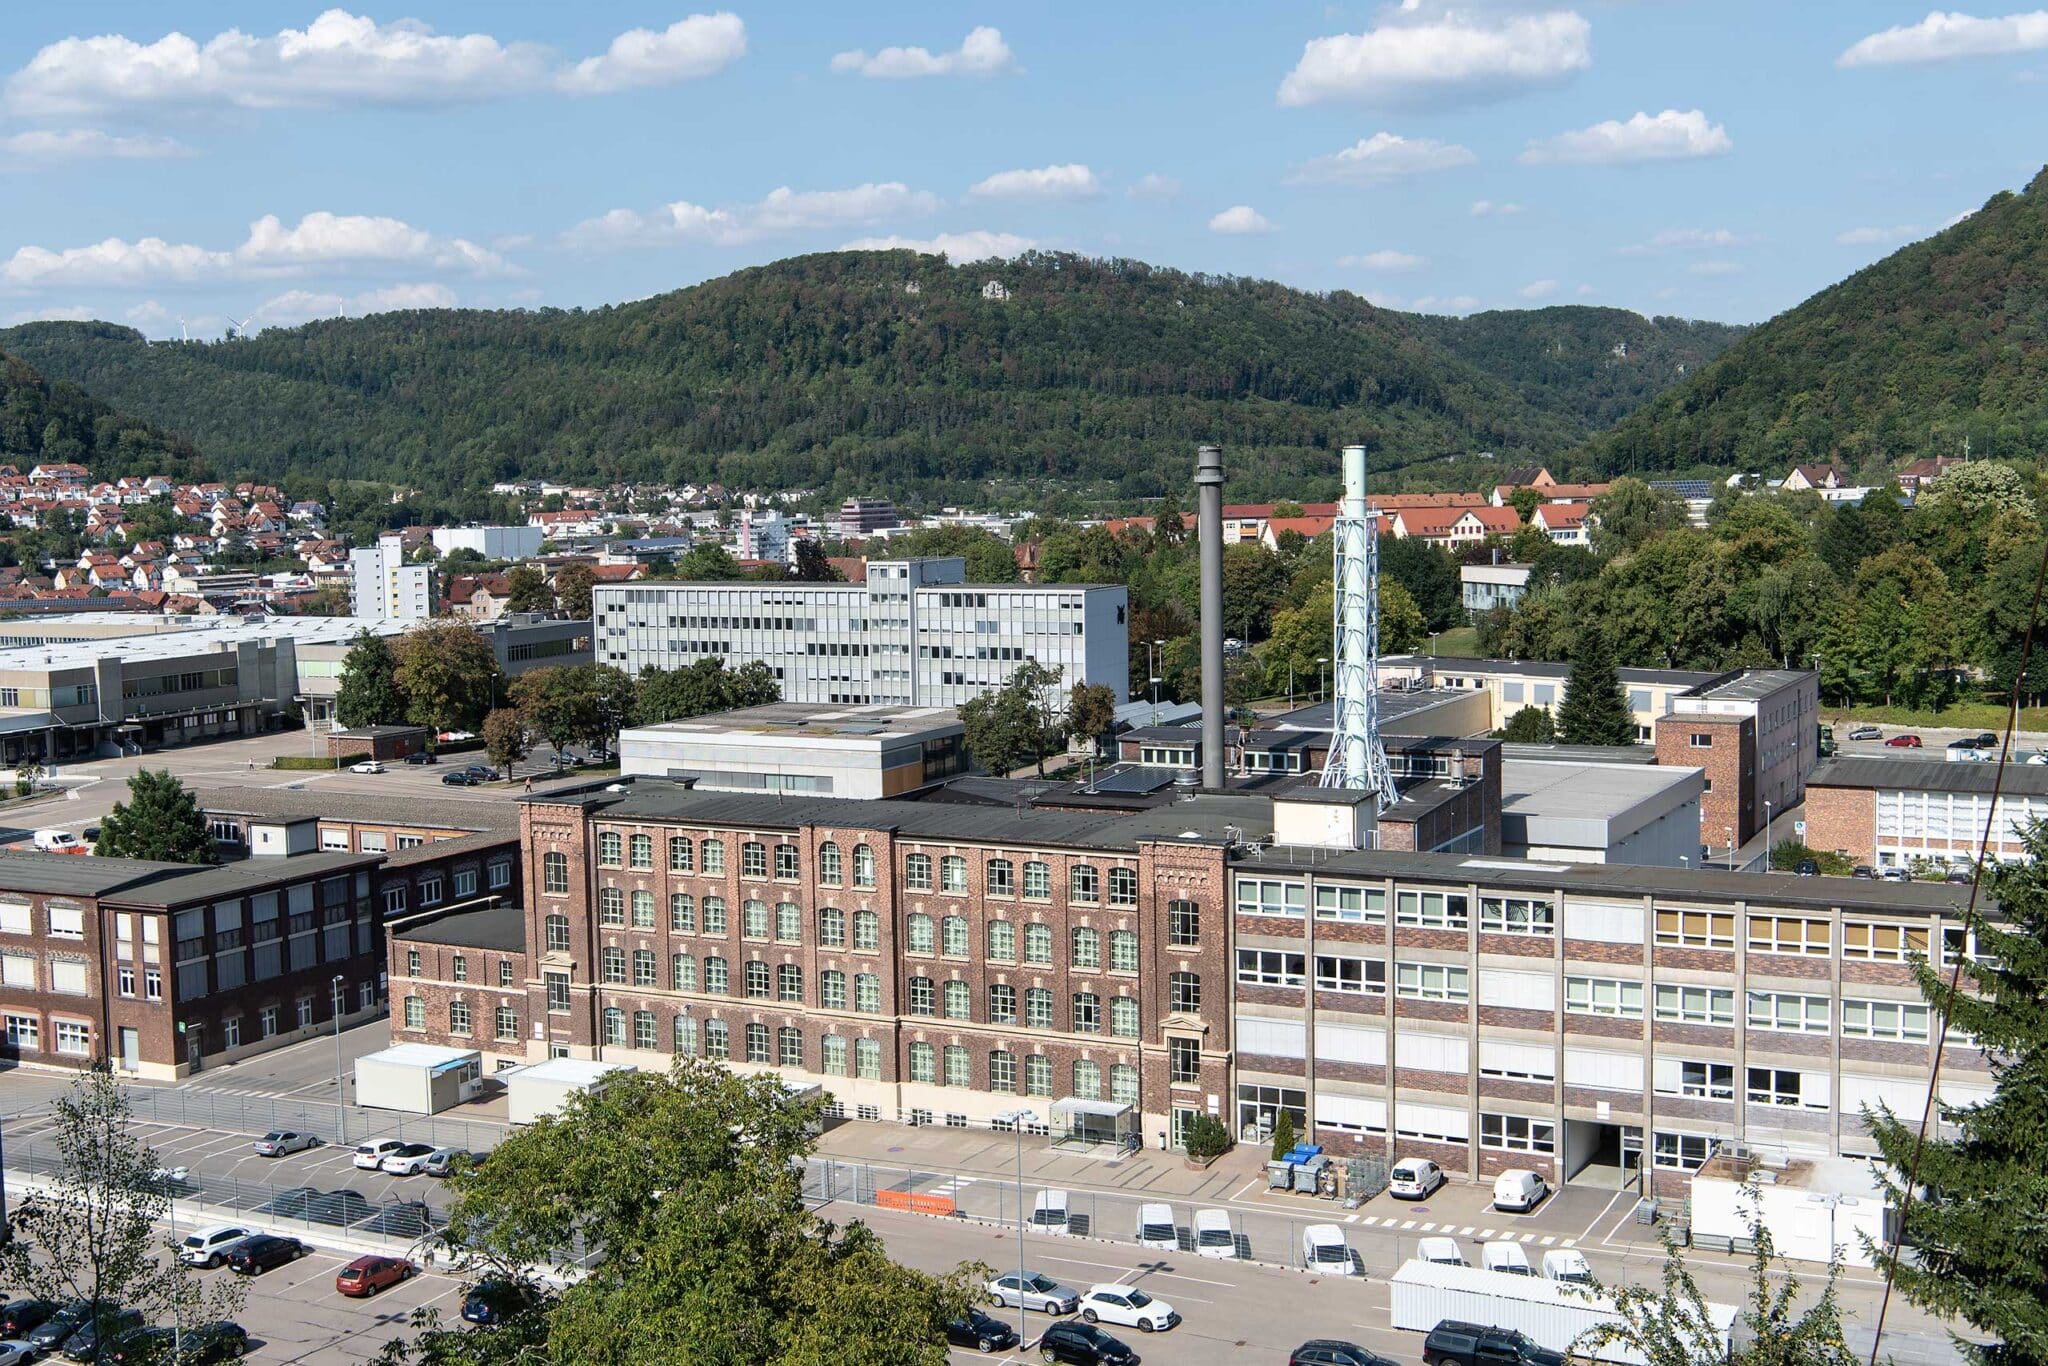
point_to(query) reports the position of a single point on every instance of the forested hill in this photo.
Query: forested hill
(41, 422)
(889, 372)
(1942, 340)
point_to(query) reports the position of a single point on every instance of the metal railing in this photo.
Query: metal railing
(204, 1109)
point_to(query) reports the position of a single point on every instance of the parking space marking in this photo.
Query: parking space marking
(1548, 1239)
(1351, 1219)
(1076, 1261)
(1568, 1242)
(1486, 1233)
(1465, 1232)
(1410, 1224)
(1524, 1237)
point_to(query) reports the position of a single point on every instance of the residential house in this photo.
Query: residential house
(1815, 477)
(1565, 523)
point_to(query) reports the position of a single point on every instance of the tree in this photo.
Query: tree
(613, 698)
(159, 821)
(1207, 1138)
(1530, 726)
(1091, 711)
(447, 673)
(990, 558)
(1630, 513)
(707, 564)
(526, 590)
(573, 583)
(367, 694)
(1977, 488)
(1673, 1324)
(1525, 501)
(1595, 709)
(702, 1248)
(504, 738)
(700, 688)
(1977, 1247)
(1007, 727)
(559, 703)
(1401, 625)
(812, 566)
(1431, 577)
(1283, 1134)
(88, 1231)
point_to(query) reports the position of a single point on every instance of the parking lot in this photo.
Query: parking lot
(294, 1314)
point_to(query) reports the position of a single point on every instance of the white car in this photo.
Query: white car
(1324, 1251)
(1414, 1178)
(366, 766)
(1049, 1212)
(169, 1178)
(409, 1160)
(209, 1246)
(1519, 1190)
(279, 1142)
(1214, 1237)
(1567, 1265)
(1129, 1306)
(1033, 1291)
(15, 1353)
(1155, 1228)
(370, 1156)
(1502, 1255)
(1440, 1251)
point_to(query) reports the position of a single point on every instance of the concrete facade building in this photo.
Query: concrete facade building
(827, 751)
(1893, 813)
(1487, 586)
(914, 634)
(1592, 812)
(491, 542)
(383, 587)
(865, 516)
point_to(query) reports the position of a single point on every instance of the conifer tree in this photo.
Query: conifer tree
(1595, 709)
(159, 821)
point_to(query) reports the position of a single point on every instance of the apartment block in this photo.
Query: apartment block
(383, 587)
(914, 634)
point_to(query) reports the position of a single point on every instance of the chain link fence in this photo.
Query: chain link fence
(204, 1109)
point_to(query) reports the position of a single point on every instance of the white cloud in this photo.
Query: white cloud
(88, 144)
(1383, 260)
(780, 212)
(1669, 136)
(271, 248)
(1447, 60)
(1070, 181)
(55, 313)
(1714, 268)
(1871, 236)
(1154, 186)
(1486, 208)
(146, 313)
(1240, 220)
(1456, 303)
(1585, 291)
(342, 58)
(982, 53)
(1691, 239)
(697, 46)
(298, 305)
(958, 247)
(1381, 157)
(1943, 37)
(1538, 289)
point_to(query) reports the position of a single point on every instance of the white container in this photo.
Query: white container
(416, 1078)
(1553, 1315)
(543, 1088)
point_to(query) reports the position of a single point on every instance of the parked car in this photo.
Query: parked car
(446, 1162)
(1034, 1291)
(278, 1142)
(1156, 1229)
(1518, 1190)
(483, 773)
(422, 756)
(1414, 1178)
(1456, 1343)
(1332, 1352)
(1894, 875)
(366, 766)
(1083, 1344)
(297, 1202)
(370, 1156)
(1987, 741)
(254, 1256)
(1958, 874)
(339, 1207)
(1904, 742)
(173, 1179)
(209, 1246)
(20, 1317)
(206, 1344)
(1866, 733)
(1864, 871)
(97, 1331)
(981, 1332)
(1129, 1306)
(1441, 1251)
(449, 737)
(1049, 1212)
(459, 777)
(1214, 1235)
(1567, 1265)
(1324, 1250)
(48, 1335)
(407, 1160)
(18, 1353)
(367, 1275)
(1806, 867)
(494, 1298)
(57, 842)
(1504, 1255)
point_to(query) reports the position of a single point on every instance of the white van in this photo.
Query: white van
(58, 842)
(1566, 1265)
(1502, 1255)
(1214, 1236)
(1155, 1228)
(1324, 1251)
(1518, 1190)
(1049, 1212)
(1440, 1251)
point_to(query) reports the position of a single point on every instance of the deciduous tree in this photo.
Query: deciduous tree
(367, 694)
(1630, 513)
(159, 821)
(1008, 727)
(1091, 711)
(526, 590)
(504, 738)
(447, 673)
(573, 583)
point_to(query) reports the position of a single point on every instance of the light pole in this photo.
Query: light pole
(1016, 1119)
(1322, 676)
(340, 1090)
(1728, 833)
(1767, 834)
(1155, 678)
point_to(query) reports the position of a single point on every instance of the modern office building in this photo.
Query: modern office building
(383, 587)
(865, 516)
(915, 634)
(491, 542)
(1894, 813)
(821, 751)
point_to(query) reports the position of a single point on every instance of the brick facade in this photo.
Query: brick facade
(1728, 754)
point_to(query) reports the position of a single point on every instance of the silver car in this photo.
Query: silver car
(278, 1142)
(1034, 1291)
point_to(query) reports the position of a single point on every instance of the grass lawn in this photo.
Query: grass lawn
(1978, 716)
(1460, 641)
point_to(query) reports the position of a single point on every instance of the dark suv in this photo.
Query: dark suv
(1452, 1343)
(254, 1256)
(1332, 1352)
(1083, 1344)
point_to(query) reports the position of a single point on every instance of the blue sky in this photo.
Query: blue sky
(1708, 158)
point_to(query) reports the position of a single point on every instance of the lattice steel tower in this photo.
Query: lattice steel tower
(1357, 759)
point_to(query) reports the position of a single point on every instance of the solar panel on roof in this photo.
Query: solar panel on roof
(1136, 781)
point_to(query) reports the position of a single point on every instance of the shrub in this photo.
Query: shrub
(1207, 1138)
(1283, 1134)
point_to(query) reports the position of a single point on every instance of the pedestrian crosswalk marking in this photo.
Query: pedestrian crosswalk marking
(1549, 1239)
(1465, 1232)
(1410, 1224)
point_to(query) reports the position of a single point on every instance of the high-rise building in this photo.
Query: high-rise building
(860, 516)
(385, 587)
(914, 634)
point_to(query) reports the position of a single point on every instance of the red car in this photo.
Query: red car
(368, 1275)
(1904, 742)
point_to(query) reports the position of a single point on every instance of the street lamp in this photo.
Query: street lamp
(340, 1089)
(1728, 833)
(1016, 1120)
(1767, 834)
(1322, 676)
(1156, 679)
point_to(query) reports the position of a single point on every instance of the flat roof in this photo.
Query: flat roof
(149, 883)
(879, 721)
(494, 927)
(419, 1055)
(1591, 754)
(296, 804)
(152, 636)
(803, 586)
(1541, 668)
(1930, 775)
(1757, 684)
(1562, 801)
(569, 1071)
(1394, 704)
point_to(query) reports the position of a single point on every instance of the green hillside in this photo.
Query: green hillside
(42, 422)
(1942, 340)
(889, 372)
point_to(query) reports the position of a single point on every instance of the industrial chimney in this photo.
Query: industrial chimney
(1356, 758)
(1209, 525)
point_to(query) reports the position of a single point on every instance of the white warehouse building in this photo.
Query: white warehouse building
(915, 634)
(491, 542)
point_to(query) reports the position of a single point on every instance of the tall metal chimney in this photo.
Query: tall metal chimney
(1356, 758)
(1209, 525)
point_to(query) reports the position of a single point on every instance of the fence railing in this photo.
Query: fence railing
(260, 1114)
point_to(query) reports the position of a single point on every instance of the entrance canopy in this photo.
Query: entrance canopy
(1090, 1122)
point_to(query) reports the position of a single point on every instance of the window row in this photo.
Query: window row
(1334, 972)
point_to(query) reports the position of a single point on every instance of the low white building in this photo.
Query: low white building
(827, 751)
(1585, 811)
(1487, 586)
(418, 1078)
(491, 542)
(542, 1089)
